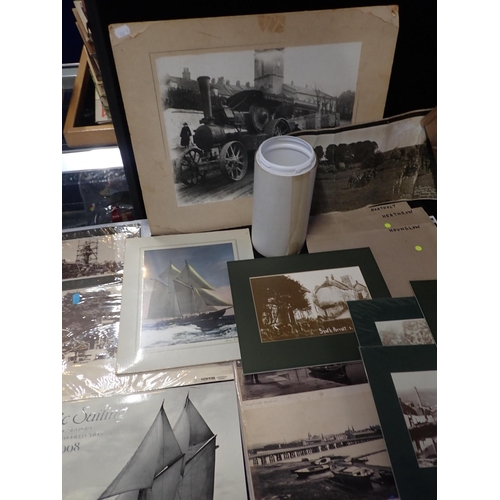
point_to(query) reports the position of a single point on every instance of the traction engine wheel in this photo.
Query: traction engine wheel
(276, 127)
(233, 161)
(189, 171)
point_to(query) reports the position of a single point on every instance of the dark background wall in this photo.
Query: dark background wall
(71, 40)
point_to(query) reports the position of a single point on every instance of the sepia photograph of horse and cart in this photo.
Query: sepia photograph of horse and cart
(219, 107)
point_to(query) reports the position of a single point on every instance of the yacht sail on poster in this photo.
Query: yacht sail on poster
(180, 443)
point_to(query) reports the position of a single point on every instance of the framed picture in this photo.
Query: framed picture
(177, 305)
(201, 95)
(307, 432)
(390, 322)
(292, 311)
(426, 295)
(403, 381)
(85, 135)
(181, 442)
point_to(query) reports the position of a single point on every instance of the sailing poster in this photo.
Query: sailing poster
(163, 445)
(177, 301)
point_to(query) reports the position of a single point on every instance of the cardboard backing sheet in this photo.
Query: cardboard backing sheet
(143, 52)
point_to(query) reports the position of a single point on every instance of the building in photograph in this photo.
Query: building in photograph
(311, 107)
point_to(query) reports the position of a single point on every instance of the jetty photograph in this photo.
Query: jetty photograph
(318, 444)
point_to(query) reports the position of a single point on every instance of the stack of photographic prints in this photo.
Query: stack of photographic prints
(313, 433)
(93, 267)
(403, 241)
(399, 353)
(95, 252)
(177, 304)
(92, 273)
(180, 442)
(292, 311)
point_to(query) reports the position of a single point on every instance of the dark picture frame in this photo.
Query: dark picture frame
(366, 313)
(257, 356)
(413, 482)
(426, 294)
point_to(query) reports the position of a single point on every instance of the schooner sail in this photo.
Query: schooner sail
(184, 296)
(170, 463)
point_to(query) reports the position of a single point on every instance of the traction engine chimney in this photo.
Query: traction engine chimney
(204, 84)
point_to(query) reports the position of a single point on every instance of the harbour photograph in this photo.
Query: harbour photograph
(417, 392)
(318, 444)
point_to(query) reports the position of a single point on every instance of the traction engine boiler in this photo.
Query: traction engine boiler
(229, 133)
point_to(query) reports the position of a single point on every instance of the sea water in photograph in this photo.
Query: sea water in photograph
(417, 393)
(319, 444)
(187, 296)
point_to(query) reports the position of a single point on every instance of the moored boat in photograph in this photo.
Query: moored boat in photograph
(352, 476)
(311, 469)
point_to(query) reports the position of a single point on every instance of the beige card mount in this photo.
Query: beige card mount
(201, 95)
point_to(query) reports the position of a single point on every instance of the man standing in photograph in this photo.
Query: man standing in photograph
(185, 135)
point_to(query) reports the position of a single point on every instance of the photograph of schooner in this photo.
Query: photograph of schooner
(186, 295)
(177, 306)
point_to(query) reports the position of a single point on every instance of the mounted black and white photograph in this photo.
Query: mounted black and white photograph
(260, 75)
(93, 256)
(181, 442)
(186, 296)
(417, 393)
(90, 323)
(306, 304)
(404, 332)
(311, 378)
(219, 107)
(323, 443)
(177, 306)
(374, 163)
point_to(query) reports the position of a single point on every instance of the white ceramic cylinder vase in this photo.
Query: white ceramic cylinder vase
(284, 176)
